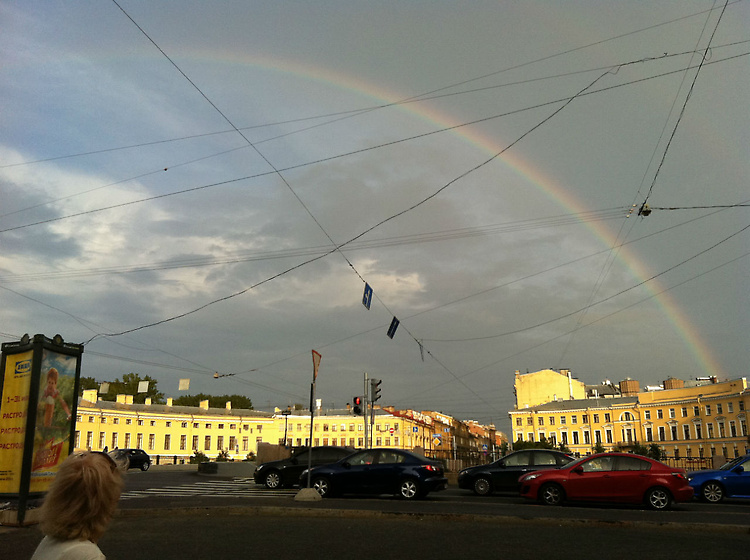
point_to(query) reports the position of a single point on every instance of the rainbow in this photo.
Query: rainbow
(561, 195)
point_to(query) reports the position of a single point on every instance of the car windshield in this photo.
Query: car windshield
(731, 464)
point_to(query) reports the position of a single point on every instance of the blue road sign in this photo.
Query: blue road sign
(367, 297)
(393, 327)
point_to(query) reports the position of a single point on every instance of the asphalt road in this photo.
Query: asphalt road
(179, 514)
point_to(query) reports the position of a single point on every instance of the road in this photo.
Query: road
(178, 514)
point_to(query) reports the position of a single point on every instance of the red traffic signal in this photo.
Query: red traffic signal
(357, 405)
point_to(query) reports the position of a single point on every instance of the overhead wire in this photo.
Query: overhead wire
(354, 152)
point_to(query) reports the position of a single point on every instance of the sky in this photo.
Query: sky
(192, 188)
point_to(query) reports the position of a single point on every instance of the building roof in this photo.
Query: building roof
(165, 409)
(582, 404)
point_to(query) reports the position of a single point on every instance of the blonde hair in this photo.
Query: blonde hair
(82, 498)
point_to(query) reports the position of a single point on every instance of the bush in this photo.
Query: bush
(198, 457)
(223, 456)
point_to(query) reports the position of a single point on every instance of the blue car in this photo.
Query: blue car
(730, 481)
(378, 471)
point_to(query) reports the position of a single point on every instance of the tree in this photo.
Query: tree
(88, 383)
(599, 448)
(129, 386)
(214, 401)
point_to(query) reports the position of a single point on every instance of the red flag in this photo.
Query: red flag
(316, 363)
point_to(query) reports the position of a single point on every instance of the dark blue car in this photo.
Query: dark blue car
(730, 481)
(378, 471)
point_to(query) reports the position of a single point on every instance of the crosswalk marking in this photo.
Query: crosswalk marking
(238, 487)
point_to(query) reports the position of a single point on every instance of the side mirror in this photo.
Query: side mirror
(578, 470)
(739, 469)
(346, 465)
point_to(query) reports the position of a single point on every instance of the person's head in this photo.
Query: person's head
(82, 498)
(52, 376)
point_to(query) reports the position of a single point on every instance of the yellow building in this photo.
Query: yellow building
(173, 433)
(546, 386)
(694, 420)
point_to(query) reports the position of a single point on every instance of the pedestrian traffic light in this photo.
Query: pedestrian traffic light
(357, 406)
(375, 389)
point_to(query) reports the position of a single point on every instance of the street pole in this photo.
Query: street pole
(364, 413)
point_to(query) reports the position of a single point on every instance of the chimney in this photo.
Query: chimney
(169, 401)
(90, 395)
(229, 405)
(121, 399)
(204, 404)
(147, 401)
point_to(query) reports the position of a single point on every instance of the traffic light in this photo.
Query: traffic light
(375, 389)
(357, 406)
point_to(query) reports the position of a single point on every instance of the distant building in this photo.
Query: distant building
(684, 419)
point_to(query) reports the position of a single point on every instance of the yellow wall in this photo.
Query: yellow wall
(546, 386)
(689, 422)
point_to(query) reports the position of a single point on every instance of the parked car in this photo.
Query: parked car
(503, 474)
(137, 458)
(285, 472)
(732, 480)
(609, 477)
(379, 471)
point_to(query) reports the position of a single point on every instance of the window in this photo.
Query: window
(541, 420)
(719, 408)
(232, 443)
(221, 426)
(672, 413)
(647, 414)
(195, 425)
(586, 437)
(696, 411)
(104, 419)
(598, 436)
(684, 412)
(564, 437)
(220, 443)
(574, 419)
(585, 418)
(732, 429)
(551, 420)
(710, 430)
(563, 419)
(208, 426)
(685, 431)
(607, 417)
(608, 433)
(575, 438)
(730, 407)
(741, 406)
(599, 464)
(245, 443)
(530, 421)
(649, 434)
(708, 410)
(207, 443)
(114, 440)
(596, 418)
(169, 424)
(151, 440)
(89, 440)
(127, 440)
(183, 442)
(662, 434)
(139, 441)
(91, 419)
(153, 422)
(102, 440)
(195, 443)
(632, 464)
(128, 421)
(519, 421)
(184, 424)
(167, 442)
(698, 431)
(140, 422)
(673, 431)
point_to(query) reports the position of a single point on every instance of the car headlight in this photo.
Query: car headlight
(531, 476)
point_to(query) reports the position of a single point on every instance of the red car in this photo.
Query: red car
(609, 477)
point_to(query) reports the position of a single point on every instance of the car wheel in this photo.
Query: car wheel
(273, 480)
(551, 495)
(145, 466)
(409, 489)
(658, 498)
(322, 486)
(712, 492)
(482, 487)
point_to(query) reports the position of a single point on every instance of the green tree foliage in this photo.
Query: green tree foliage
(128, 386)
(88, 383)
(214, 401)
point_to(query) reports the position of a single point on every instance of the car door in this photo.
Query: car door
(385, 474)
(354, 475)
(592, 480)
(505, 477)
(737, 480)
(631, 478)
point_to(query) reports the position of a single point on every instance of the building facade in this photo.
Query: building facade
(696, 420)
(175, 433)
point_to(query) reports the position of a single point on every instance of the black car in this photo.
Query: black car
(285, 472)
(137, 458)
(378, 471)
(503, 474)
